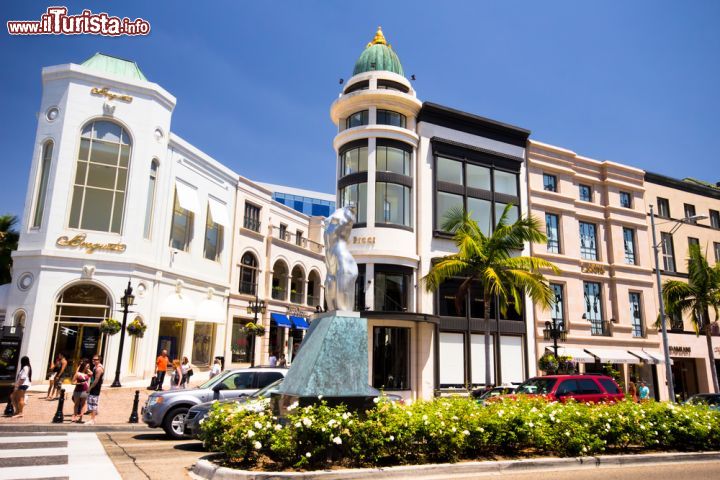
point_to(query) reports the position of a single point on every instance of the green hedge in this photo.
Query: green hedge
(452, 429)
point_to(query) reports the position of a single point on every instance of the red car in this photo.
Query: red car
(582, 388)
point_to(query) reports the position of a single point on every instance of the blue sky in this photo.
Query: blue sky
(632, 82)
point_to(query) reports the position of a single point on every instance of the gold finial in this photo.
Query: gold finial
(379, 38)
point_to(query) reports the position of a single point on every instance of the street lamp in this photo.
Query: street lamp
(553, 330)
(656, 249)
(255, 307)
(126, 301)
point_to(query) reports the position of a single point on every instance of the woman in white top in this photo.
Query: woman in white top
(22, 383)
(187, 372)
(216, 368)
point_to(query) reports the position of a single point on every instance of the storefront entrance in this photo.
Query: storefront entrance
(170, 337)
(76, 334)
(203, 344)
(685, 377)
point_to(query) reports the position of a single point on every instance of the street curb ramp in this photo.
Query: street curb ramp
(206, 469)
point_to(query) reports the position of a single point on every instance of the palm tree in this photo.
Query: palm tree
(489, 260)
(8, 242)
(697, 297)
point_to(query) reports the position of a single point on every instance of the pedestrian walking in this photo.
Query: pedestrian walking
(216, 368)
(632, 389)
(161, 365)
(187, 372)
(93, 399)
(81, 381)
(176, 379)
(23, 381)
(272, 360)
(644, 392)
(54, 372)
(282, 361)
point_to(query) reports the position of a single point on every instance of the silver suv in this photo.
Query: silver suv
(168, 409)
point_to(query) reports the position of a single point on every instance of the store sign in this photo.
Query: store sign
(363, 240)
(78, 241)
(105, 92)
(592, 268)
(675, 350)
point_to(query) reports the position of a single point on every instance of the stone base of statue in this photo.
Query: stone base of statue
(331, 366)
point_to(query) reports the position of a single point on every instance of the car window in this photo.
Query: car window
(266, 378)
(609, 385)
(567, 387)
(239, 381)
(588, 386)
(265, 392)
(540, 386)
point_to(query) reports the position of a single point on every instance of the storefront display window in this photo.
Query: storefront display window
(391, 288)
(203, 343)
(391, 358)
(170, 337)
(240, 341)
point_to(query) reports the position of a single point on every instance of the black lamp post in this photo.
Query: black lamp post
(255, 307)
(126, 301)
(554, 331)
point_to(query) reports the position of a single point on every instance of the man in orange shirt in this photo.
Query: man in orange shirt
(160, 368)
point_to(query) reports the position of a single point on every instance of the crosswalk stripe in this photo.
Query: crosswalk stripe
(33, 452)
(48, 438)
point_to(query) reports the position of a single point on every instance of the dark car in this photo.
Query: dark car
(712, 400)
(582, 388)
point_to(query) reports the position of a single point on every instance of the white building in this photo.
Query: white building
(405, 163)
(115, 197)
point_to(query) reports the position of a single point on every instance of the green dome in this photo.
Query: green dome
(378, 55)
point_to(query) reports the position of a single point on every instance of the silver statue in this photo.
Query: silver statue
(342, 269)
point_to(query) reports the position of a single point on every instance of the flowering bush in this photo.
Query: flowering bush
(452, 429)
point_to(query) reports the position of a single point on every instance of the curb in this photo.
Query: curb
(206, 469)
(54, 427)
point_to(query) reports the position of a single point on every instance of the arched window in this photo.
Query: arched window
(279, 281)
(41, 190)
(100, 185)
(297, 285)
(150, 198)
(248, 273)
(313, 289)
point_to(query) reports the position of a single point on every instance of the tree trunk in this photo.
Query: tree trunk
(711, 357)
(488, 381)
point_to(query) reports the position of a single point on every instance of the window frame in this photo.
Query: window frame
(663, 205)
(630, 256)
(388, 269)
(666, 240)
(189, 225)
(402, 123)
(587, 189)
(597, 322)
(150, 205)
(689, 208)
(638, 327)
(212, 226)
(714, 219)
(550, 182)
(43, 179)
(251, 216)
(557, 247)
(589, 253)
(253, 270)
(358, 145)
(716, 247)
(388, 363)
(628, 196)
(364, 119)
(558, 307)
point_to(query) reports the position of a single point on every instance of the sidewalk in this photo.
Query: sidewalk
(114, 409)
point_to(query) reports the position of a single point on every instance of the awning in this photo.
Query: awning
(218, 213)
(175, 306)
(649, 357)
(187, 197)
(612, 355)
(299, 322)
(577, 354)
(210, 311)
(280, 320)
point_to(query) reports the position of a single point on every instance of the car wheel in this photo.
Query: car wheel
(174, 421)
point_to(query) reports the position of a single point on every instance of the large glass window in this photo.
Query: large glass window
(357, 194)
(392, 288)
(557, 305)
(478, 177)
(248, 273)
(450, 171)
(150, 199)
(512, 215)
(392, 204)
(252, 217)
(505, 182)
(549, 182)
(663, 207)
(357, 119)
(388, 117)
(353, 160)
(629, 245)
(392, 159)
(668, 251)
(391, 358)
(585, 193)
(553, 233)
(213, 238)
(588, 241)
(714, 219)
(182, 225)
(625, 199)
(240, 341)
(45, 162)
(480, 211)
(689, 212)
(98, 199)
(636, 314)
(593, 308)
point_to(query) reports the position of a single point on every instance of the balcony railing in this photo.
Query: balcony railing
(297, 297)
(279, 294)
(600, 328)
(252, 224)
(313, 301)
(298, 240)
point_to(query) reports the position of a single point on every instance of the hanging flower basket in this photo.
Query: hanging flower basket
(254, 329)
(551, 365)
(110, 326)
(137, 328)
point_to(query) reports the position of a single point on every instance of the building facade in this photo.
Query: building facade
(305, 201)
(686, 212)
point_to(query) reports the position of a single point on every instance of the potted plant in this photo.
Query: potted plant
(137, 328)
(548, 363)
(254, 329)
(110, 326)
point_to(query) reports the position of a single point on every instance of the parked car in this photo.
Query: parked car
(582, 388)
(482, 395)
(712, 400)
(167, 409)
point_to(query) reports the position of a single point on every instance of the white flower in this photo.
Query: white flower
(408, 402)
(376, 399)
(292, 406)
(306, 421)
(278, 426)
(320, 397)
(298, 424)
(322, 429)
(337, 441)
(465, 432)
(250, 434)
(392, 438)
(501, 413)
(202, 420)
(584, 449)
(332, 422)
(257, 445)
(424, 417)
(308, 454)
(454, 429)
(258, 425)
(531, 424)
(346, 415)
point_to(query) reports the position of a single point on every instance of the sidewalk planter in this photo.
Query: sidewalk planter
(452, 429)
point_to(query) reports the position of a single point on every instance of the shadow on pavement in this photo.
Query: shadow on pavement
(191, 446)
(151, 436)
